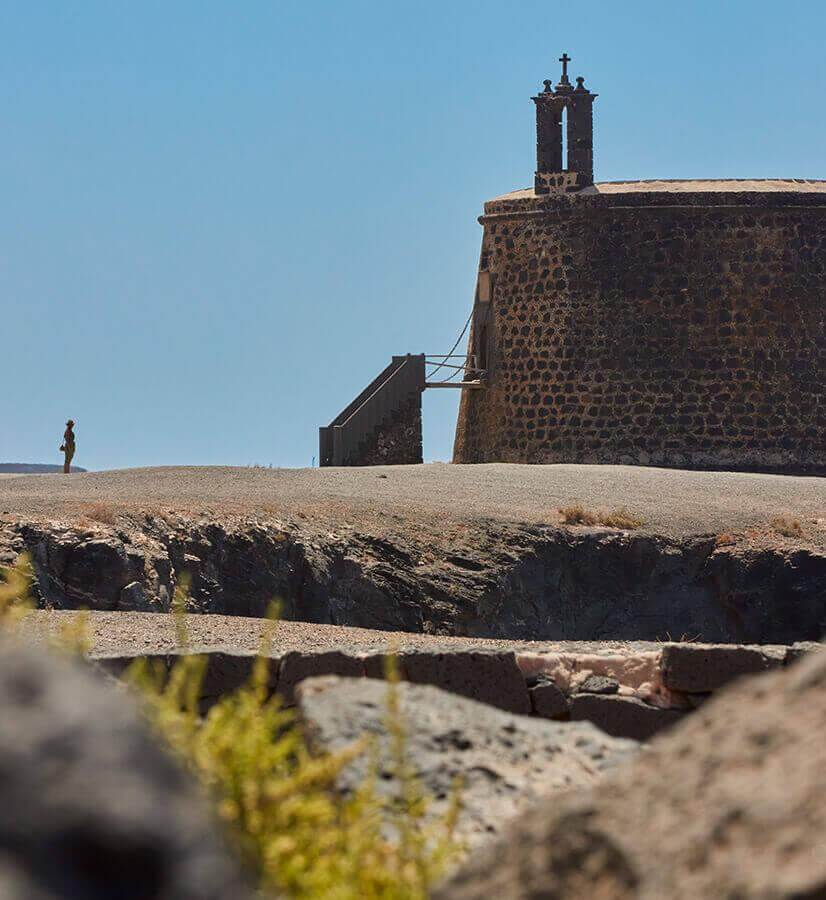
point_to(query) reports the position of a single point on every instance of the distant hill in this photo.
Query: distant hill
(33, 468)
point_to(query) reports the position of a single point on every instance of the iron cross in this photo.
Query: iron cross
(564, 59)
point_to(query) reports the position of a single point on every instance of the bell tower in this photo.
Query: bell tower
(576, 103)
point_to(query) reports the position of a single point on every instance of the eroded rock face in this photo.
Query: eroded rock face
(501, 758)
(90, 805)
(500, 580)
(731, 803)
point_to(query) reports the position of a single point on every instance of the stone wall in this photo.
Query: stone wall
(399, 442)
(632, 691)
(676, 329)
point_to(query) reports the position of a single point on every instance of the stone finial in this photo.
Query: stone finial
(580, 83)
(548, 86)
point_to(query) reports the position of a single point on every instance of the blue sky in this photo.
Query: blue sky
(220, 220)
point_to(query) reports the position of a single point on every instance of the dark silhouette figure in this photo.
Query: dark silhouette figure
(68, 447)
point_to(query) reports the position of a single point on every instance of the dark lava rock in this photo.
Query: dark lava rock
(700, 668)
(599, 684)
(489, 676)
(296, 666)
(731, 803)
(518, 581)
(623, 716)
(90, 805)
(547, 700)
(502, 759)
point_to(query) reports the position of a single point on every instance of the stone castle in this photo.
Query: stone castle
(664, 323)
(667, 323)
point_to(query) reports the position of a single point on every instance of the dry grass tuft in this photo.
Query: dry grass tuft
(788, 527)
(620, 518)
(576, 514)
(724, 540)
(100, 512)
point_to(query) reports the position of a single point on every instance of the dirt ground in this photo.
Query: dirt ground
(671, 502)
(131, 633)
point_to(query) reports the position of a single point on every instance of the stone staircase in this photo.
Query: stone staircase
(383, 425)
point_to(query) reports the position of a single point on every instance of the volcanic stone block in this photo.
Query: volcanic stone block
(298, 665)
(227, 670)
(599, 684)
(501, 760)
(622, 716)
(117, 665)
(547, 700)
(700, 668)
(487, 676)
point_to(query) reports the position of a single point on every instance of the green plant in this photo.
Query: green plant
(16, 599)
(291, 825)
(294, 829)
(16, 590)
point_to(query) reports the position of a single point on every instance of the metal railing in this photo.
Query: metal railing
(462, 369)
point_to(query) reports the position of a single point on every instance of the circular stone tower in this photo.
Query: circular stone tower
(667, 323)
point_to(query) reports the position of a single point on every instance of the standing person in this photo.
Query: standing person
(68, 446)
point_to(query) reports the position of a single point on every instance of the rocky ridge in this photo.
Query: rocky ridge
(481, 578)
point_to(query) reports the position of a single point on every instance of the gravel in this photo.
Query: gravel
(132, 633)
(672, 502)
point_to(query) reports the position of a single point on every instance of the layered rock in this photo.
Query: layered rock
(500, 580)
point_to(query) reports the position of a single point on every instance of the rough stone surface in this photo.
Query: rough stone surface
(91, 806)
(480, 578)
(503, 759)
(698, 668)
(731, 803)
(228, 669)
(547, 700)
(487, 676)
(598, 684)
(622, 716)
(399, 442)
(297, 666)
(653, 329)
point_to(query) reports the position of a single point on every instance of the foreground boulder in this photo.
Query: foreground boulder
(90, 805)
(502, 759)
(731, 803)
